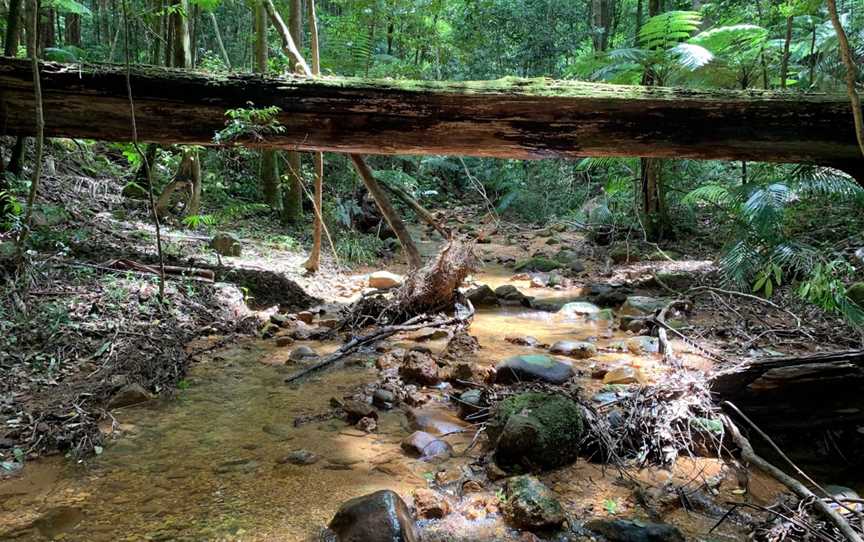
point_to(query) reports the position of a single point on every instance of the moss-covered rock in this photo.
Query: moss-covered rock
(622, 253)
(856, 293)
(535, 431)
(538, 263)
(531, 505)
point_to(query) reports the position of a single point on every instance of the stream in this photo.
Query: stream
(210, 463)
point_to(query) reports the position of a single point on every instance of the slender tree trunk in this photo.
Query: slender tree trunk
(13, 28)
(638, 22)
(390, 214)
(289, 45)
(651, 174)
(181, 56)
(851, 73)
(292, 204)
(784, 63)
(73, 29)
(46, 29)
(313, 263)
(269, 165)
(219, 41)
(16, 158)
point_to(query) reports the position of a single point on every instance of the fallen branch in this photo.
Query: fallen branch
(418, 209)
(794, 485)
(418, 322)
(749, 296)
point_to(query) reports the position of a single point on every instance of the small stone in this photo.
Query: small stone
(284, 341)
(537, 367)
(574, 349)
(226, 244)
(300, 457)
(383, 399)
(306, 317)
(635, 324)
(269, 331)
(623, 375)
(643, 345)
(522, 340)
(280, 320)
(131, 394)
(531, 505)
(384, 280)
(620, 530)
(379, 517)
(357, 410)
(429, 504)
(482, 296)
(639, 305)
(427, 447)
(418, 367)
(470, 402)
(578, 309)
(510, 295)
(367, 425)
(302, 353)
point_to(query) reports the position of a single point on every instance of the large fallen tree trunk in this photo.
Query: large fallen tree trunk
(817, 391)
(513, 118)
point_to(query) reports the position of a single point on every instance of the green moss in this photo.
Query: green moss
(555, 419)
(538, 263)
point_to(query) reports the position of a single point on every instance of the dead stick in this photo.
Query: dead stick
(797, 487)
(418, 209)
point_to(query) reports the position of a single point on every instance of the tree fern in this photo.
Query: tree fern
(668, 29)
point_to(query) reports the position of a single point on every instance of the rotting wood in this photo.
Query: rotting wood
(508, 118)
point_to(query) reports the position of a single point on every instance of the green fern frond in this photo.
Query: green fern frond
(668, 29)
(711, 193)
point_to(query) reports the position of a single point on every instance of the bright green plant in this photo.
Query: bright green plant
(249, 124)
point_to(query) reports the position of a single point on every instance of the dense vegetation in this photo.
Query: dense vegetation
(772, 221)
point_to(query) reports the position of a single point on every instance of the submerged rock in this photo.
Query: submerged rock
(622, 530)
(302, 353)
(378, 517)
(533, 367)
(531, 505)
(384, 280)
(640, 305)
(131, 394)
(643, 345)
(226, 244)
(574, 349)
(535, 431)
(300, 457)
(357, 410)
(578, 309)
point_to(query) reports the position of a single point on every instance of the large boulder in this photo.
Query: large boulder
(533, 367)
(640, 305)
(384, 280)
(378, 517)
(531, 505)
(226, 244)
(622, 530)
(579, 309)
(535, 431)
(482, 296)
(508, 294)
(574, 349)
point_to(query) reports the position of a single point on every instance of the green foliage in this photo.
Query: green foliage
(826, 288)
(249, 124)
(666, 30)
(196, 221)
(356, 248)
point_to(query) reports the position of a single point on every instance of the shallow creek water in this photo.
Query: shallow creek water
(205, 466)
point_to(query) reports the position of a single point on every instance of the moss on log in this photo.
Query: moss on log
(508, 118)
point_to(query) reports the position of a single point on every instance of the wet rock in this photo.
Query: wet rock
(522, 340)
(480, 506)
(635, 324)
(299, 457)
(384, 399)
(416, 442)
(418, 367)
(537, 263)
(306, 317)
(281, 320)
(535, 431)
(510, 295)
(578, 309)
(574, 349)
(482, 296)
(269, 331)
(470, 402)
(284, 341)
(621, 530)
(378, 517)
(226, 244)
(533, 367)
(623, 375)
(131, 394)
(430, 505)
(367, 425)
(643, 345)
(384, 280)
(302, 353)
(569, 260)
(604, 295)
(427, 447)
(531, 505)
(437, 423)
(639, 305)
(357, 410)
(428, 334)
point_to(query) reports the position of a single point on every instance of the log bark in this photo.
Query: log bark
(512, 118)
(797, 392)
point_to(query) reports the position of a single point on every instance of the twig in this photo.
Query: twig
(749, 296)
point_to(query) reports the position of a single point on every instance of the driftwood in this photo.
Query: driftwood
(507, 118)
(797, 392)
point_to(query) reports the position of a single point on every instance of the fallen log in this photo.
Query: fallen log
(797, 392)
(512, 118)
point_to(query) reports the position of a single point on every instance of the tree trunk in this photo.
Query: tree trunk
(851, 73)
(314, 261)
(289, 46)
(46, 29)
(390, 214)
(219, 42)
(506, 119)
(651, 174)
(292, 204)
(73, 29)
(784, 63)
(10, 48)
(13, 28)
(269, 164)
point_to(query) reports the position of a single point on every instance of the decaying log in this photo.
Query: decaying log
(508, 118)
(794, 392)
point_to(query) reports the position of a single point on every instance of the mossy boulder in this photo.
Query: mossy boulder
(856, 293)
(535, 431)
(538, 263)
